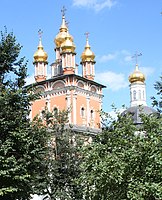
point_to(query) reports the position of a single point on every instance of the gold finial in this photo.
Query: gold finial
(87, 42)
(63, 11)
(40, 55)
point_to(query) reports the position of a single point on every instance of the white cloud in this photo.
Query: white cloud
(113, 114)
(30, 79)
(127, 55)
(128, 58)
(107, 57)
(84, 2)
(112, 80)
(122, 56)
(97, 5)
(148, 71)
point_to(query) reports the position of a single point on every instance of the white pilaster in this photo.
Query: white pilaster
(88, 110)
(74, 108)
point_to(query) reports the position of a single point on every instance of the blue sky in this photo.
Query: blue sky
(118, 29)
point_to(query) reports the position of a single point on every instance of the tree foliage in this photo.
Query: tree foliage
(63, 159)
(124, 162)
(157, 101)
(22, 143)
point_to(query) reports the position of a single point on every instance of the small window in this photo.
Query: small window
(55, 111)
(80, 84)
(131, 95)
(134, 95)
(93, 89)
(82, 112)
(143, 94)
(139, 94)
(92, 114)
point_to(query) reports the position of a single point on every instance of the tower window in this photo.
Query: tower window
(139, 94)
(134, 95)
(131, 95)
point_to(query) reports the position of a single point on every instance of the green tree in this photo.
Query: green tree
(23, 144)
(124, 162)
(63, 159)
(157, 101)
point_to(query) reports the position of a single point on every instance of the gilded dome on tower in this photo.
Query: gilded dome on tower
(87, 54)
(60, 37)
(68, 45)
(40, 55)
(137, 76)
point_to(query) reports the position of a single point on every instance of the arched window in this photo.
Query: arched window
(55, 111)
(58, 85)
(82, 112)
(143, 94)
(39, 89)
(91, 114)
(139, 94)
(80, 84)
(134, 95)
(93, 89)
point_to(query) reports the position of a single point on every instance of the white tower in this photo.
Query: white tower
(137, 88)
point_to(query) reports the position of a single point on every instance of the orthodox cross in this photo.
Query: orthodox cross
(87, 35)
(63, 11)
(40, 32)
(136, 55)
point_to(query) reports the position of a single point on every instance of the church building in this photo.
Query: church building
(138, 103)
(65, 89)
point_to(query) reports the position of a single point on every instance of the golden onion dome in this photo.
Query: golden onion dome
(87, 54)
(137, 76)
(68, 45)
(40, 55)
(60, 37)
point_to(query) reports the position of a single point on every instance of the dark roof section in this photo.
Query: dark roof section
(60, 77)
(136, 111)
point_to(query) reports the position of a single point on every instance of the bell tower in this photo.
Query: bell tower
(137, 87)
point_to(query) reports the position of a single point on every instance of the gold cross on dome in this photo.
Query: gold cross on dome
(63, 10)
(40, 32)
(87, 35)
(136, 55)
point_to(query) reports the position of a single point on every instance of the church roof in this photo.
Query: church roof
(136, 111)
(61, 77)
